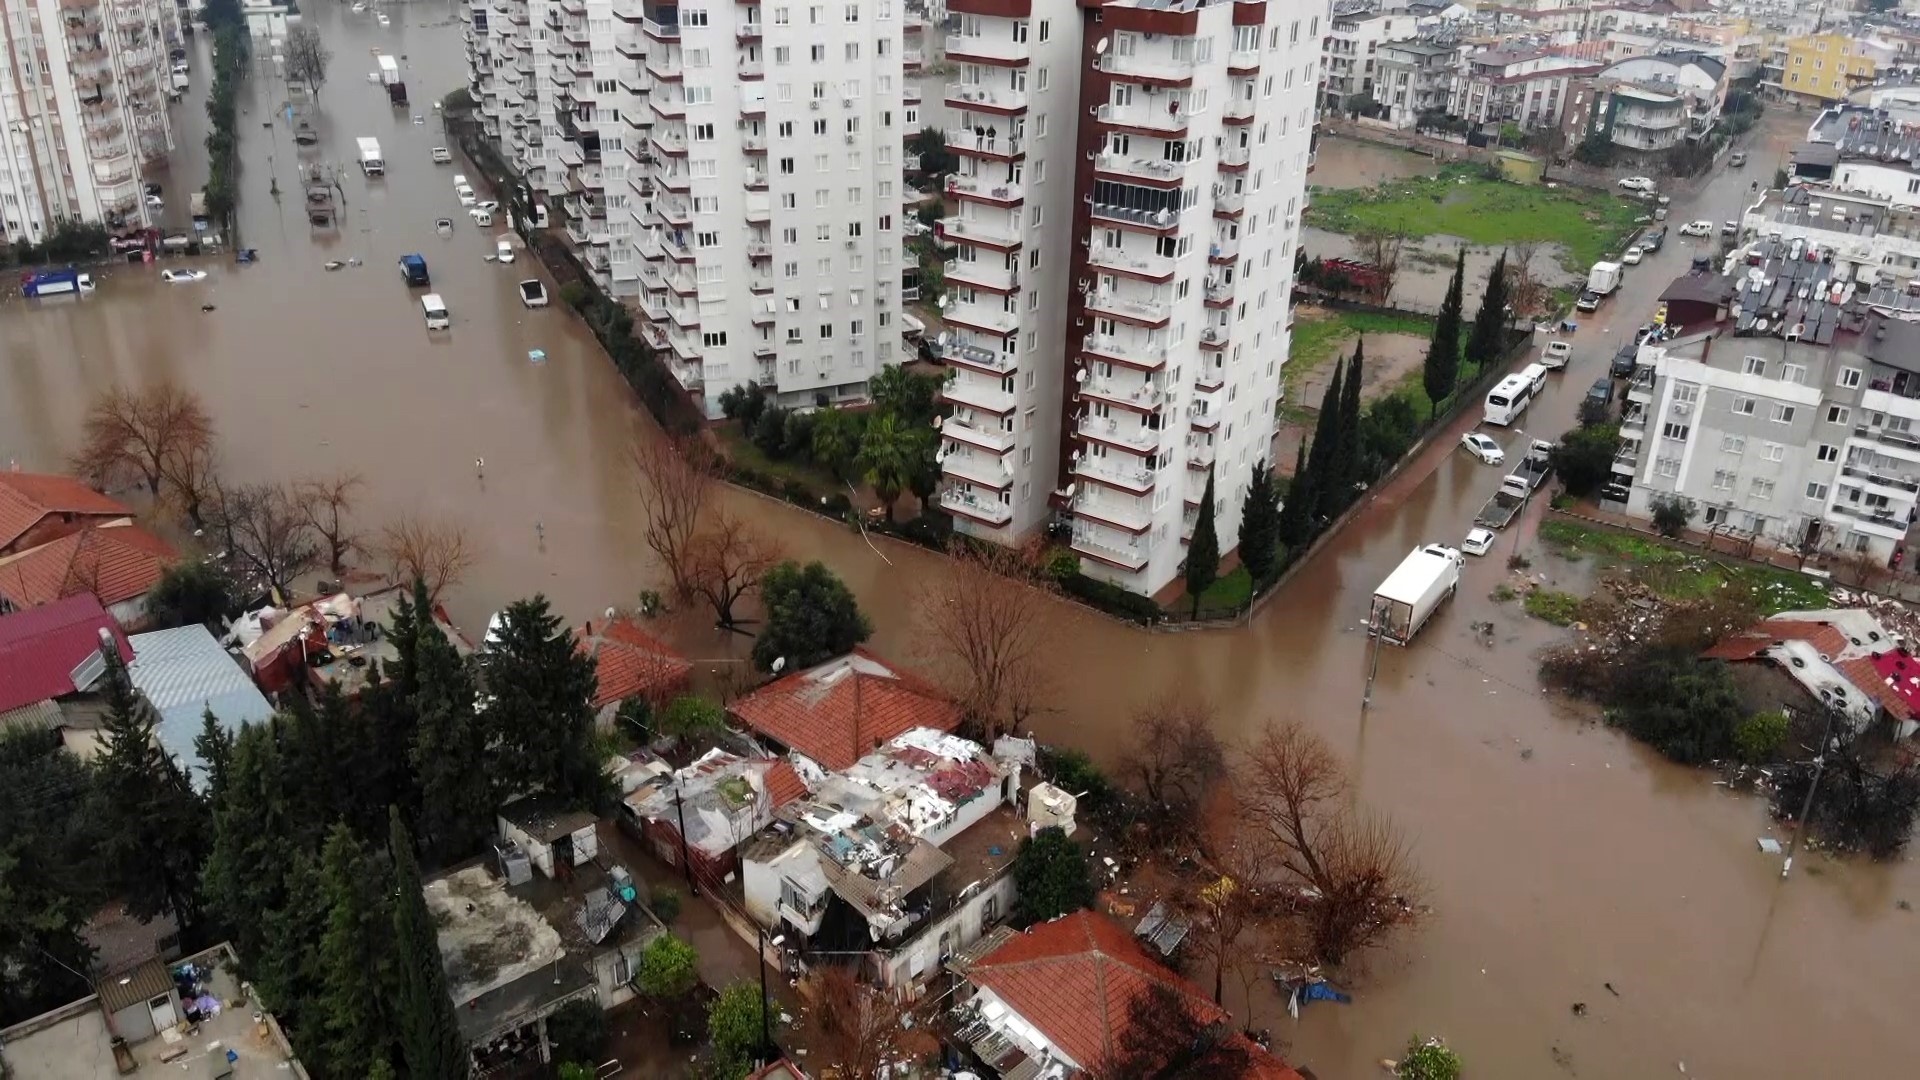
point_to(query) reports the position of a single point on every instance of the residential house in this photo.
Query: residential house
(1355, 35)
(36, 508)
(50, 665)
(1869, 238)
(518, 945)
(186, 674)
(631, 663)
(1653, 103)
(194, 1016)
(1866, 150)
(118, 562)
(1841, 659)
(1526, 87)
(708, 809)
(1415, 77)
(1822, 69)
(331, 640)
(1058, 1000)
(832, 714)
(898, 860)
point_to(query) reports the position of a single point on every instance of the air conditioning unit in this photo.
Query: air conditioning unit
(814, 105)
(849, 139)
(852, 243)
(1681, 408)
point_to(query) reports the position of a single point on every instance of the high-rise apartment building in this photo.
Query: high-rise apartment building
(83, 110)
(1126, 211)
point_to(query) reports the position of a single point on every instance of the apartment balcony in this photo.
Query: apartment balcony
(1113, 552)
(1155, 268)
(631, 46)
(1235, 158)
(661, 31)
(975, 357)
(674, 212)
(1201, 453)
(577, 231)
(1130, 515)
(1120, 471)
(977, 316)
(982, 395)
(984, 469)
(1238, 111)
(754, 180)
(1224, 250)
(749, 68)
(1219, 294)
(1243, 61)
(1154, 70)
(1136, 351)
(998, 192)
(1157, 220)
(759, 209)
(1907, 485)
(1126, 434)
(1149, 170)
(668, 142)
(995, 234)
(753, 144)
(745, 32)
(990, 99)
(980, 49)
(979, 432)
(1131, 393)
(912, 59)
(664, 67)
(1881, 521)
(1165, 120)
(760, 283)
(1229, 204)
(1215, 338)
(990, 274)
(994, 145)
(1135, 310)
(1651, 121)
(960, 500)
(675, 245)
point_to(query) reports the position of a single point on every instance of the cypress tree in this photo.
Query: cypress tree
(449, 750)
(541, 709)
(1297, 507)
(155, 825)
(1328, 473)
(1483, 344)
(214, 745)
(1351, 467)
(288, 970)
(252, 842)
(1260, 524)
(1442, 368)
(429, 1033)
(356, 975)
(1203, 552)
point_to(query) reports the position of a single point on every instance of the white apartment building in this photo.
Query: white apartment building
(83, 110)
(1351, 51)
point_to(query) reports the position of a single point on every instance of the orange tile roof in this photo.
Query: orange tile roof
(115, 563)
(1825, 638)
(840, 710)
(1869, 675)
(631, 662)
(25, 498)
(1076, 979)
(784, 784)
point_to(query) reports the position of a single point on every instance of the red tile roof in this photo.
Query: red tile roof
(1076, 980)
(40, 647)
(784, 784)
(1826, 639)
(1889, 678)
(114, 562)
(632, 663)
(25, 498)
(839, 711)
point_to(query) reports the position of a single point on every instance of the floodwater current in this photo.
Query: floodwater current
(1560, 857)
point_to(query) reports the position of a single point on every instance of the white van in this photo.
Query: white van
(435, 310)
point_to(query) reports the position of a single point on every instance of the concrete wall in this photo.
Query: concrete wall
(922, 955)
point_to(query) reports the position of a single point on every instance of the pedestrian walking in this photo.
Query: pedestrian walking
(480, 467)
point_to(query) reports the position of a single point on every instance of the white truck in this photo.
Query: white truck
(371, 162)
(1408, 598)
(1604, 277)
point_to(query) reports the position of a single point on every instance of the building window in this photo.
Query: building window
(714, 339)
(1782, 414)
(1850, 377)
(1761, 489)
(1755, 366)
(1816, 490)
(1743, 406)
(1723, 480)
(1733, 444)
(1794, 373)
(1827, 452)
(1838, 415)
(1677, 432)
(1668, 467)
(1774, 451)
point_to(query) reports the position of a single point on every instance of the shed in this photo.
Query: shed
(140, 1003)
(1518, 167)
(186, 674)
(554, 836)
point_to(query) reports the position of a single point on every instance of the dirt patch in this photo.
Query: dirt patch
(1389, 359)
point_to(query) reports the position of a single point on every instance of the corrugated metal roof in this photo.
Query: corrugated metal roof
(39, 716)
(148, 981)
(185, 672)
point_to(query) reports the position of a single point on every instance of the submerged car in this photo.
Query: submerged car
(442, 156)
(182, 277)
(1483, 447)
(1697, 228)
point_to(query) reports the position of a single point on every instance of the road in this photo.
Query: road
(1550, 873)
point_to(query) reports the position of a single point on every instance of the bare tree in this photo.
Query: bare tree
(1173, 1035)
(190, 471)
(431, 550)
(1351, 873)
(135, 432)
(327, 504)
(981, 622)
(676, 480)
(726, 561)
(267, 533)
(307, 56)
(858, 1028)
(1381, 249)
(1525, 291)
(1175, 756)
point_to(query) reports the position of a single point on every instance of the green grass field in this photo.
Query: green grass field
(1461, 201)
(1320, 337)
(1678, 573)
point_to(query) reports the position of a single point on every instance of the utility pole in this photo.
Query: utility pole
(686, 864)
(767, 1048)
(1806, 805)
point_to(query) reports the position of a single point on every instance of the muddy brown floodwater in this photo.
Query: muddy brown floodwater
(1584, 862)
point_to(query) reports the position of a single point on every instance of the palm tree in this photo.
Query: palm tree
(887, 457)
(836, 439)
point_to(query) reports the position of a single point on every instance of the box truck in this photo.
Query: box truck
(55, 282)
(1408, 598)
(371, 162)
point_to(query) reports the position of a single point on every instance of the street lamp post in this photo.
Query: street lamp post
(1806, 805)
(766, 1014)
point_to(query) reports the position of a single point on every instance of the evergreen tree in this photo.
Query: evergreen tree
(449, 750)
(53, 872)
(1483, 344)
(1442, 369)
(1325, 457)
(287, 971)
(1352, 469)
(214, 745)
(1203, 552)
(541, 710)
(386, 725)
(253, 843)
(429, 1033)
(812, 617)
(156, 826)
(1260, 524)
(355, 1012)
(1296, 510)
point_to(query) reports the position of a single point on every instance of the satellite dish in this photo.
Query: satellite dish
(779, 664)
(943, 303)
(1100, 47)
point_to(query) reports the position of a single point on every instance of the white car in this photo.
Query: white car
(1478, 541)
(442, 156)
(467, 197)
(1697, 228)
(1484, 448)
(1556, 355)
(1637, 183)
(182, 277)
(1632, 256)
(503, 250)
(459, 181)
(156, 201)
(486, 204)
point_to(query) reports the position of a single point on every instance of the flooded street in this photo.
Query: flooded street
(1584, 862)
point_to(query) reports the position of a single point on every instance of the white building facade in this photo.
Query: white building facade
(83, 111)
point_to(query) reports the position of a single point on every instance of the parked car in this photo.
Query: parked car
(1729, 228)
(1556, 354)
(465, 195)
(1653, 241)
(1737, 158)
(1615, 493)
(1632, 256)
(1624, 361)
(1601, 392)
(1478, 542)
(1697, 228)
(503, 250)
(442, 156)
(1637, 183)
(1589, 301)
(1483, 447)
